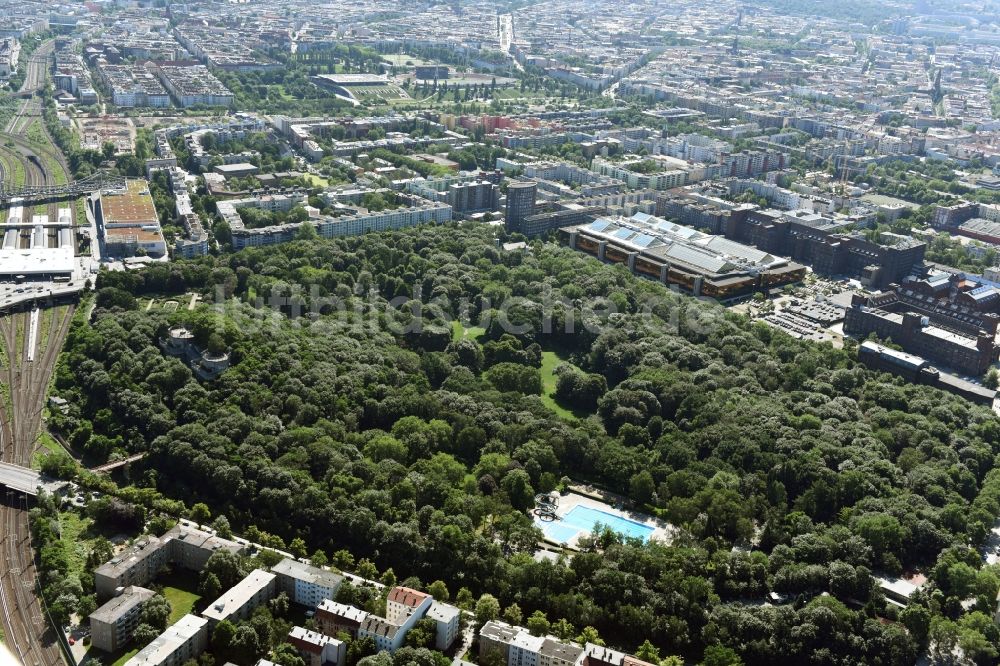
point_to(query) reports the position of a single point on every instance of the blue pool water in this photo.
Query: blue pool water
(583, 518)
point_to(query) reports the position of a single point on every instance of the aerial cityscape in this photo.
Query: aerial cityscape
(511, 333)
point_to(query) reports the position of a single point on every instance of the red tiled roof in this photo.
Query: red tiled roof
(407, 596)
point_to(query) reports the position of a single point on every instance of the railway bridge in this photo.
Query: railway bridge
(100, 180)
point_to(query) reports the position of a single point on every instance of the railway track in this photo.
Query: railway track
(27, 632)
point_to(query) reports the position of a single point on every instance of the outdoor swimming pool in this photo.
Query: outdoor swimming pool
(583, 518)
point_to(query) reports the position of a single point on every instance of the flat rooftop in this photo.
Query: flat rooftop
(353, 79)
(142, 234)
(238, 595)
(307, 573)
(132, 597)
(164, 645)
(133, 205)
(37, 261)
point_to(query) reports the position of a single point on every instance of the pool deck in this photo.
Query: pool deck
(662, 531)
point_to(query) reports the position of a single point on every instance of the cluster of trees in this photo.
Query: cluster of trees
(63, 590)
(265, 153)
(354, 429)
(466, 93)
(930, 182)
(950, 251)
(286, 90)
(256, 218)
(477, 156)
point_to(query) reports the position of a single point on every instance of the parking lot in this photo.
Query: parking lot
(813, 310)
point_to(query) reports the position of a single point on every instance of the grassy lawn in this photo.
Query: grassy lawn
(36, 134)
(49, 445)
(181, 602)
(551, 360)
(318, 181)
(178, 588)
(13, 169)
(54, 169)
(458, 331)
(81, 210)
(122, 659)
(75, 531)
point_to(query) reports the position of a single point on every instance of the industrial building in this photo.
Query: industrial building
(36, 248)
(703, 264)
(968, 354)
(919, 371)
(128, 222)
(822, 242)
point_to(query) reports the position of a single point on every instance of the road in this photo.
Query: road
(505, 35)
(26, 629)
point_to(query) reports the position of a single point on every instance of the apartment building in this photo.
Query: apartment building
(404, 602)
(181, 642)
(191, 548)
(449, 624)
(388, 637)
(333, 618)
(190, 84)
(517, 647)
(239, 601)
(404, 608)
(520, 204)
(305, 584)
(10, 51)
(473, 197)
(669, 173)
(317, 649)
(421, 212)
(137, 566)
(141, 564)
(525, 650)
(112, 624)
(133, 85)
